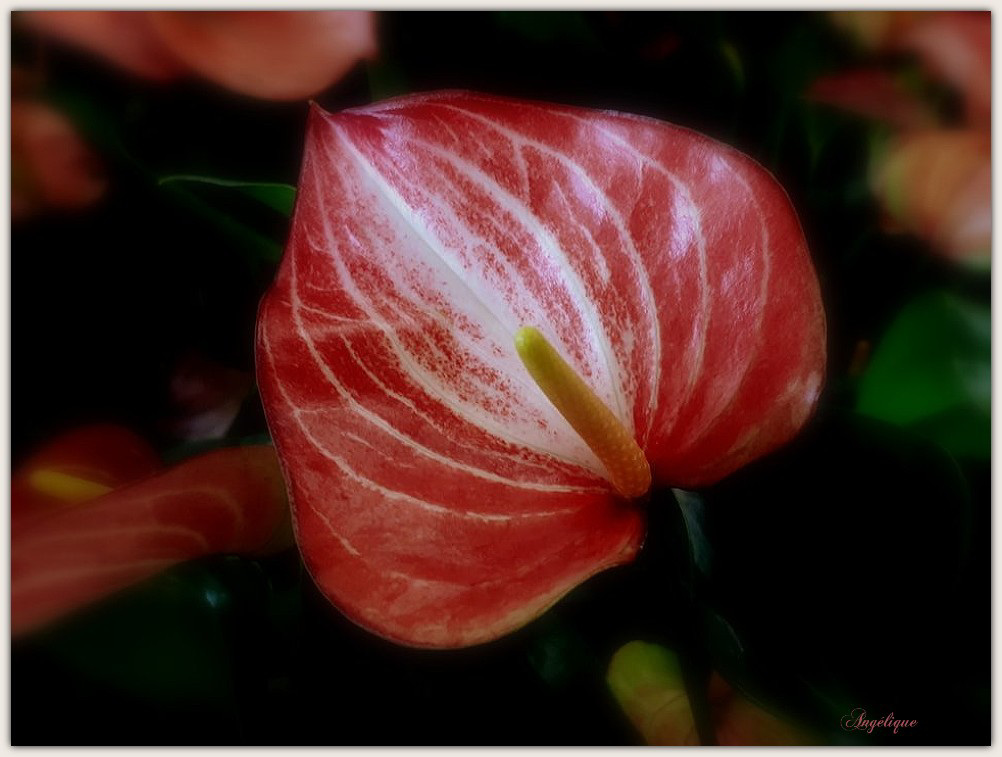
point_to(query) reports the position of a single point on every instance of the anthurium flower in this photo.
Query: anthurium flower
(93, 538)
(494, 322)
(646, 681)
(276, 55)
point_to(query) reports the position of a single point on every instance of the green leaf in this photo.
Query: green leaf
(278, 197)
(931, 373)
(732, 58)
(254, 245)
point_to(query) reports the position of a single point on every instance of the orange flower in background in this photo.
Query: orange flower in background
(934, 182)
(51, 167)
(265, 54)
(874, 30)
(952, 46)
(956, 47)
(646, 681)
(937, 184)
(125, 38)
(275, 55)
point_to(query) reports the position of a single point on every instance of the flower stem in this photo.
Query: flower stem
(668, 555)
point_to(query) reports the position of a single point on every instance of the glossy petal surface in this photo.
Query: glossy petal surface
(439, 498)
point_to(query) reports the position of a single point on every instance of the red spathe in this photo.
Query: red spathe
(439, 499)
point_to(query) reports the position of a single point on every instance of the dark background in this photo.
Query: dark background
(851, 569)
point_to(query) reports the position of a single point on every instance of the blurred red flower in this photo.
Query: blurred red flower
(873, 93)
(79, 465)
(932, 180)
(956, 48)
(94, 512)
(275, 55)
(50, 165)
(874, 30)
(937, 184)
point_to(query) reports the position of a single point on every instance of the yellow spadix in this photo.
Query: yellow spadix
(602, 431)
(66, 487)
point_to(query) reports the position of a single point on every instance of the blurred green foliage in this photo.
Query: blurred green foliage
(931, 372)
(278, 197)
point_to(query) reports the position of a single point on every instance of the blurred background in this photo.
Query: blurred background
(153, 163)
